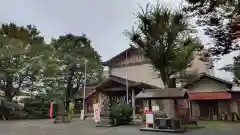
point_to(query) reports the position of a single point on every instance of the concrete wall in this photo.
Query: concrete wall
(139, 73)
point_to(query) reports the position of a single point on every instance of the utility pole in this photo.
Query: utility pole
(126, 78)
(84, 87)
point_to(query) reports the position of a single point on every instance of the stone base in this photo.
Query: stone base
(105, 122)
(99, 125)
(62, 119)
(164, 130)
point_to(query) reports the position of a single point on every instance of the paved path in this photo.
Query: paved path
(77, 127)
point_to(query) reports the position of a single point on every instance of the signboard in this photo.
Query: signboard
(51, 111)
(96, 112)
(149, 117)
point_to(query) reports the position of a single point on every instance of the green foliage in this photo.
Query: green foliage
(20, 49)
(73, 53)
(71, 107)
(164, 37)
(234, 68)
(220, 19)
(122, 112)
(185, 77)
(143, 116)
(28, 63)
(36, 108)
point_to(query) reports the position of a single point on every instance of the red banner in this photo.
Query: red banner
(51, 111)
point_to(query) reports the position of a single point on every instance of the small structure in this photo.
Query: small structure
(212, 98)
(90, 99)
(114, 89)
(161, 123)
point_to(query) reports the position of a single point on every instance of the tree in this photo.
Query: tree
(20, 48)
(234, 68)
(73, 54)
(164, 38)
(221, 19)
(185, 77)
(28, 63)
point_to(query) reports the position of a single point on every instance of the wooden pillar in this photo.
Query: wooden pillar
(133, 103)
(99, 94)
(189, 109)
(150, 104)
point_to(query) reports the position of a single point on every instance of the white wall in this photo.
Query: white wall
(139, 73)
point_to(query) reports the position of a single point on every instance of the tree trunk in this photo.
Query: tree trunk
(171, 83)
(69, 87)
(9, 87)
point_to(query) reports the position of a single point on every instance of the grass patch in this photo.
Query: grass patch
(192, 126)
(215, 124)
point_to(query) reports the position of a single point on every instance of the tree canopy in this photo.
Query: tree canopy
(55, 69)
(221, 19)
(73, 54)
(20, 53)
(234, 68)
(164, 36)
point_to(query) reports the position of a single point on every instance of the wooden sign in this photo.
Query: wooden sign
(96, 110)
(149, 117)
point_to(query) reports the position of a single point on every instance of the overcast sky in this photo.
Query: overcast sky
(103, 21)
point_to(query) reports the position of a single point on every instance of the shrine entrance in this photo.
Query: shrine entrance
(114, 90)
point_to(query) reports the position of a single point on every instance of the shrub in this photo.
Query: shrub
(122, 113)
(143, 116)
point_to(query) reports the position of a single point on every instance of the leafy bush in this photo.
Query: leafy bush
(143, 116)
(122, 113)
(36, 109)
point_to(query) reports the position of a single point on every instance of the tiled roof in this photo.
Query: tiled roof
(164, 93)
(117, 57)
(204, 75)
(79, 94)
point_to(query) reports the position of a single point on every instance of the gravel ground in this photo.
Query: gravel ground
(87, 127)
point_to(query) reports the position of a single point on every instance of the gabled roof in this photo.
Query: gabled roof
(88, 91)
(111, 78)
(116, 79)
(119, 56)
(204, 75)
(164, 93)
(123, 81)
